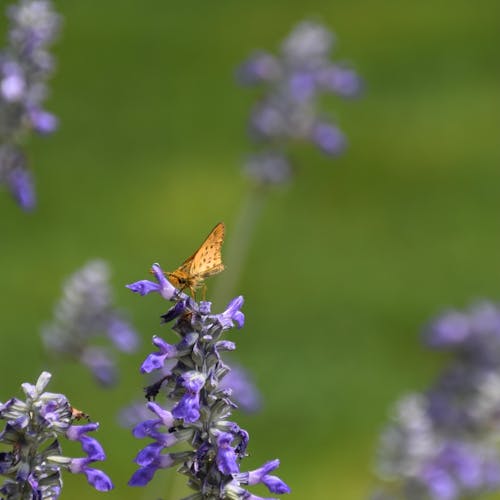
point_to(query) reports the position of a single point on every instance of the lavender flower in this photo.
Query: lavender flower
(289, 108)
(33, 431)
(237, 382)
(443, 444)
(196, 415)
(25, 66)
(84, 312)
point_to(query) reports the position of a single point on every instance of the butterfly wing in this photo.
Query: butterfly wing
(207, 260)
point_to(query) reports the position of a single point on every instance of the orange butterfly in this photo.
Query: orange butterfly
(205, 262)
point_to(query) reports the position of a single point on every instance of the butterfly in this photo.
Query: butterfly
(205, 262)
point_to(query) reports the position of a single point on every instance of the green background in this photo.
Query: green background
(349, 261)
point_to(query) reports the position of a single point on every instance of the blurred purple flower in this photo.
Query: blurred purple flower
(25, 66)
(86, 311)
(441, 444)
(243, 390)
(288, 110)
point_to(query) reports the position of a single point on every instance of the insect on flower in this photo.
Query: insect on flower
(205, 262)
(77, 414)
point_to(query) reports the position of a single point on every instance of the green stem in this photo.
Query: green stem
(239, 244)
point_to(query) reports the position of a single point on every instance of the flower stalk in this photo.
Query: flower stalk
(196, 414)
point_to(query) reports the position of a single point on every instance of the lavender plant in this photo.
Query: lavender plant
(289, 110)
(290, 106)
(25, 66)
(85, 312)
(196, 414)
(444, 444)
(33, 432)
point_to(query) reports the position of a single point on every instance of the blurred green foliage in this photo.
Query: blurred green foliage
(349, 261)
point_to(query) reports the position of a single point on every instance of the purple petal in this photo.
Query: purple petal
(124, 337)
(226, 456)
(146, 428)
(148, 454)
(165, 416)
(101, 364)
(75, 432)
(143, 287)
(99, 480)
(174, 311)
(43, 122)
(20, 182)
(142, 476)
(329, 138)
(154, 361)
(275, 485)
(188, 408)
(92, 448)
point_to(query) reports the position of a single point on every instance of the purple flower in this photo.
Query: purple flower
(85, 312)
(163, 287)
(260, 67)
(440, 444)
(243, 390)
(34, 429)
(44, 123)
(339, 80)
(232, 314)
(147, 427)
(226, 454)
(25, 67)
(144, 475)
(156, 360)
(96, 478)
(201, 405)
(328, 138)
(450, 329)
(289, 108)
(100, 364)
(188, 408)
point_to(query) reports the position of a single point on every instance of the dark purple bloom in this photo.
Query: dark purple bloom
(143, 475)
